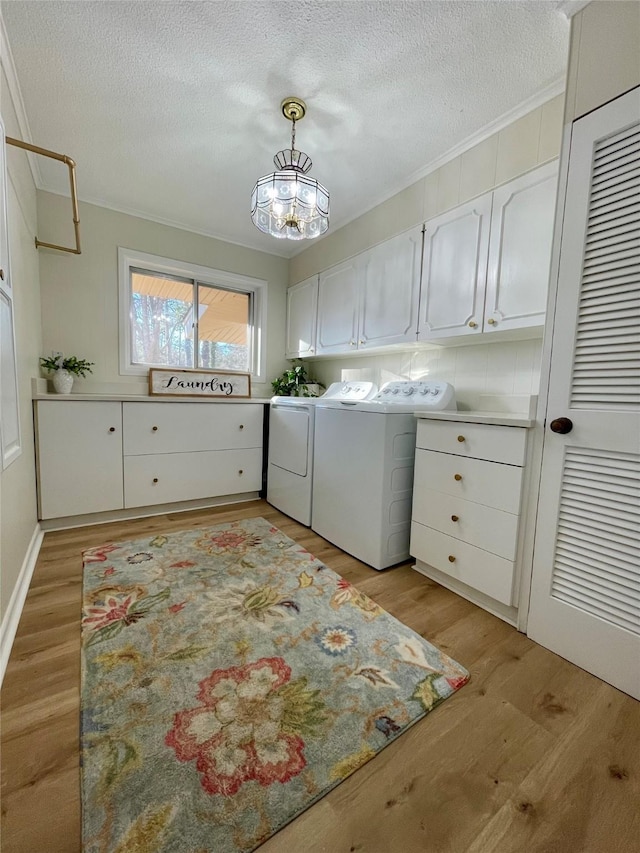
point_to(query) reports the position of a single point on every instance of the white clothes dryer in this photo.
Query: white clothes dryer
(291, 443)
(363, 468)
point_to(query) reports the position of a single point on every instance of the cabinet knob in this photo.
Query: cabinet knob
(155, 428)
(455, 518)
(491, 321)
(352, 343)
(311, 349)
(155, 479)
(361, 342)
(241, 426)
(473, 324)
(452, 559)
(240, 471)
(461, 438)
(112, 429)
(457, 477)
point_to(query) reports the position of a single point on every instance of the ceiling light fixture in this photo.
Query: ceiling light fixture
(287, 204)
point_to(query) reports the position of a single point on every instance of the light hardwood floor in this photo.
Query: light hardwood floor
(532, 755)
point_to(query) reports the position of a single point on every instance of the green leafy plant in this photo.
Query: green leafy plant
(293, 382)
(57, 361)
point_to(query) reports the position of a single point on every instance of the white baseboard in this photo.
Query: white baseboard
(9, 624)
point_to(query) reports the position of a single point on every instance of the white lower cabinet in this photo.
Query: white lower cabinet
(79, 449)
(466, 504)
(101, 456)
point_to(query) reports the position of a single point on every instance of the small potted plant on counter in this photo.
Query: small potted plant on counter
(65, 369)
(294, 382)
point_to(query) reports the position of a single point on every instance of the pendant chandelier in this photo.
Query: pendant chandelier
(287, 204)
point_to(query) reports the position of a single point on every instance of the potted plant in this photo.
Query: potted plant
(65, 370)
(294, 382)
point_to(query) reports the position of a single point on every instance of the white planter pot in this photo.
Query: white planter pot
(62, 381)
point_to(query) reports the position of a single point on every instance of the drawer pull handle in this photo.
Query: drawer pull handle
(155, 479)
(112, 429)
(461, 438)
(457, 477)
(241, 426)
(452, 559)
(240, 471)
(155, 429)
(2, 275)
(455, 518)
(473, 324)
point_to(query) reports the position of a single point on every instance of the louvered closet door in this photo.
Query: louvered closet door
(585, 595)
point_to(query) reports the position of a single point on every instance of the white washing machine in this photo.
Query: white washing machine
(363, 468)
(291, 430)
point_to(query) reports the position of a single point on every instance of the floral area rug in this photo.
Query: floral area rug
(230, 680)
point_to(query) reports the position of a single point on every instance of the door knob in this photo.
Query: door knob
(561, 425)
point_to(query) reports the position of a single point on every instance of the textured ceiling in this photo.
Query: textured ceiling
(172, 109)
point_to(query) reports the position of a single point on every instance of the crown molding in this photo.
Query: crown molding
(569, 8)
(9, 68)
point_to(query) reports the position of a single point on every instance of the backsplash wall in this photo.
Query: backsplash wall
(497, 369)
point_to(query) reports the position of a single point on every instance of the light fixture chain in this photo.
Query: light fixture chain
(293, 132)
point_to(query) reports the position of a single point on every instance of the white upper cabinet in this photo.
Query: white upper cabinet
(390, 291)
(371, 300)
(454, 271)
(520, 250)
(486, 263)
(302, 312)
(338, 304)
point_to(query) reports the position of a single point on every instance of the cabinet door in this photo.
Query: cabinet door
(302, 312)
(391, 284)
(338, 302)
(79, 457)
(454, 271)
(520, 250)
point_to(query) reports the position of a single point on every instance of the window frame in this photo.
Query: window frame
(256, 287)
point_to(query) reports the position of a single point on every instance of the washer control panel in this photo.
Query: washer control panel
(423, 393)
(353, 390)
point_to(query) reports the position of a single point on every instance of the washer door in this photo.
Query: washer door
(289, 437)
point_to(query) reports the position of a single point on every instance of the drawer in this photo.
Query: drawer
(187, 427)
(490, 483)
(490, 529)
(480, 441)
(165, 478)
(477, 568)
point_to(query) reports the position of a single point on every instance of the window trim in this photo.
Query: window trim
(128, 258)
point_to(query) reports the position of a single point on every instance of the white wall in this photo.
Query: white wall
(604, 55)
(476, 371)
(18, 517)
(80, 292)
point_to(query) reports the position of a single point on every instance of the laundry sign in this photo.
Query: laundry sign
(198, 383)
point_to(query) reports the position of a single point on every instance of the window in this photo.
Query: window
(182, 315)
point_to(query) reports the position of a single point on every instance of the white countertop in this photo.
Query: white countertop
(499, 418)
(146, 398)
